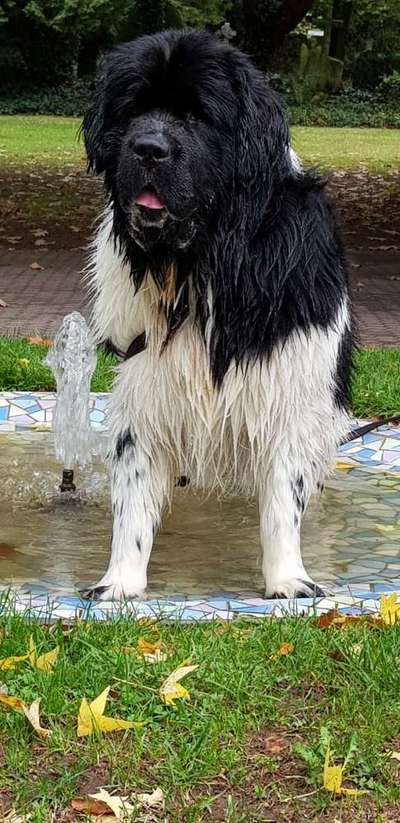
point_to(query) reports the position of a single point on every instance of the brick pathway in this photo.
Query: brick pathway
(37, 300)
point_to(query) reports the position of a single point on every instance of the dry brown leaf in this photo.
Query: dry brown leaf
(119, 806)
(36, 266)
(39, 341)
(89, 806)
(273, 744)
(3, 304)
(286, 648)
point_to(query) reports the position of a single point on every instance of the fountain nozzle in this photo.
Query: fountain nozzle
(67, 481)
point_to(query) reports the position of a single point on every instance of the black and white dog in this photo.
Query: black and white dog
(218, 266)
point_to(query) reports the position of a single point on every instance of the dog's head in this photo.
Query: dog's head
(187, 133)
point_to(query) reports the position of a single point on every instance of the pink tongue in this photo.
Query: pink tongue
(148, 199)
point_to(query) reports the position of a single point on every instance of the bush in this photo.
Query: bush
(355, 107)
(341, 114)
(71, 100)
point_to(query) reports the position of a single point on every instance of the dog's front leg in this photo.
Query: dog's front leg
(283, 499)
(138, 489)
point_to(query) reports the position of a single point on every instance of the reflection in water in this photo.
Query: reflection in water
(204, 545)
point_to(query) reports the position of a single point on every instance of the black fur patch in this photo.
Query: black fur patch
(124, 441)
(237, 217)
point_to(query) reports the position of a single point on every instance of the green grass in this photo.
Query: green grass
(41, 140)
(376, 383)
(209, 752)
(374, 150)
(22, 368)
(52, 141)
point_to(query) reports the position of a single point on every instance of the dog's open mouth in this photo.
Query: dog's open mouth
(149, 199)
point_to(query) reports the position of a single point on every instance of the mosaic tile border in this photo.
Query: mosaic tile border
(377, 451)
(58, 606)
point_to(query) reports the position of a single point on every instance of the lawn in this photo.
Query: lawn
(376, 385)
(53, 141)
(266, 702)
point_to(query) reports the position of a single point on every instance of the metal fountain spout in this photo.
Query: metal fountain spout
(72, 359)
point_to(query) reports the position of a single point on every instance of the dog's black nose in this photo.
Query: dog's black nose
(151, 147)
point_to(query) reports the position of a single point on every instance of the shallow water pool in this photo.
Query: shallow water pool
(351, 534)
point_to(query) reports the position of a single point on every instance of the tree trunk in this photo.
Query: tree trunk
(266, 25)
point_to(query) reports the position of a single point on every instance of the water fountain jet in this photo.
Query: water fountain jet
(72, 359)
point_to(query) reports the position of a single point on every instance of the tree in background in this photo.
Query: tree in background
(50, 42)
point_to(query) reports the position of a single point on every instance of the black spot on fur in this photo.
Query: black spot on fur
(138, 544)
(298, 493)
(344, 370)
(124, 441)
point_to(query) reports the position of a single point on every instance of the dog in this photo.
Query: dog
(218, 272)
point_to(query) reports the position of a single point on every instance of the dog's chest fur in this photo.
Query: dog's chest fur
(225, 437)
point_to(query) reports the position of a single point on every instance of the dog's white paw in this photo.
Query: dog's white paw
(117, 587)
(294, 587)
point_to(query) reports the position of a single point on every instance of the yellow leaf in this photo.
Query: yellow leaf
(389, 609)
(151, 652)
(45, 662)
(24, 362)
(395, 755)
(343, 467)
(91, 719)
(13, 702)
(11, 662)
(171, 689)
(333, 778)
(31, 712)
(286, 648)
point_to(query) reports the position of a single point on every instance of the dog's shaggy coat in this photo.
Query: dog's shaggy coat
(222, 255)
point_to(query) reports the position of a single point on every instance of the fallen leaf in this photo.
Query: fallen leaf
(286, 648)
(11, 662)
(395, 756)
(3, 304)
(156, 798)
(36, 267)
(171, 689)
(91, 717)
(326, 619)
(119, 806)
(31, 712)
(273, 744)
(45, 662)
(333, 778)
(151, 652)
(24, 362)
(89, 806)
(13, 817)
(341, 621)
(389, 609)
(39, 341)
(12, 702)
(343, 467)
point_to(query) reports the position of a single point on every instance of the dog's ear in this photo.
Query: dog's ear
(93, 128)
(262, 135)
